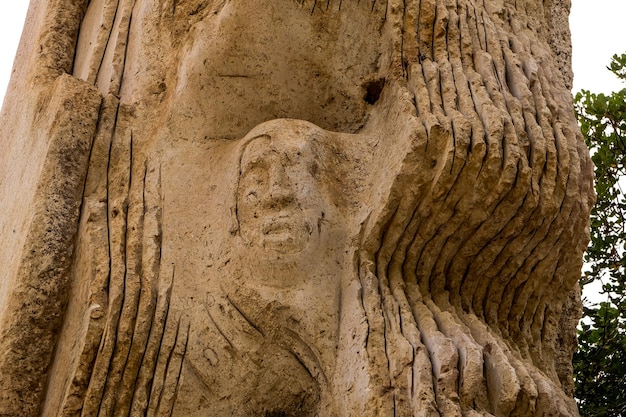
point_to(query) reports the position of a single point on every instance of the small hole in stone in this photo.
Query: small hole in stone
(373, 89)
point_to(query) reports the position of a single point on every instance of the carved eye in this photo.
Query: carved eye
(255, 176)
(252, 197)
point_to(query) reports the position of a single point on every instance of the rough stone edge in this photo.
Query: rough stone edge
(561, 38)
(38, 295)
(46, 51)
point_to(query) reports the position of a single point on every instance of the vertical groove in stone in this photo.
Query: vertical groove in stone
(93, 244)
(118, 179)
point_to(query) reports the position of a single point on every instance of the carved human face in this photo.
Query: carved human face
(279, 206)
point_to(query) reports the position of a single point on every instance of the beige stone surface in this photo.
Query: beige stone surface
(291, 208)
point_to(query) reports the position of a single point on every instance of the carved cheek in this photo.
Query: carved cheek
(252, 189)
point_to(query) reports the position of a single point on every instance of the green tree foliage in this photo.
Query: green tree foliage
(600, 362)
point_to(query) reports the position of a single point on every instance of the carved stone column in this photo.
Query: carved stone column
(291, 208)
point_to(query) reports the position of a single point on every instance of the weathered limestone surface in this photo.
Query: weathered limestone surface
(291, 208)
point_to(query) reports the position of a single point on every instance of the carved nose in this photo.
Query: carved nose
(280, 190)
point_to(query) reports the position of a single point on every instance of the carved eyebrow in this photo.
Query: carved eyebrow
(245, 161)
(263, 161)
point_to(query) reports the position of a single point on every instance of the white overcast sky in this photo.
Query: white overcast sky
(598, 32)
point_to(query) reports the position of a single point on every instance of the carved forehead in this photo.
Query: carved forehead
(277, 148)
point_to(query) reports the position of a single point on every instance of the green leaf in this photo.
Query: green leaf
(600, 361)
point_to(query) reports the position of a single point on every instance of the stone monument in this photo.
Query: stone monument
(291, 208)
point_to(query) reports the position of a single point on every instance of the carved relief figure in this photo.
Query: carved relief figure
(283, 204)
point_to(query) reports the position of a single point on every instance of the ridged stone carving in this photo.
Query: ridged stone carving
(291, 208)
